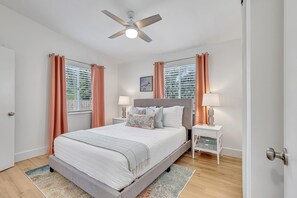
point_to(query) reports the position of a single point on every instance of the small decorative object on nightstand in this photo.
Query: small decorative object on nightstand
(124, 101)
(118, 120)
(208, 139)
(210, 100)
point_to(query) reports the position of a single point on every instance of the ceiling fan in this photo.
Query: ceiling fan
(132, 29)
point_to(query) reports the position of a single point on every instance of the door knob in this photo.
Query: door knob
(271, 155)
(10, 114)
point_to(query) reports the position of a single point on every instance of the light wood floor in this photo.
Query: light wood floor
(209, 180)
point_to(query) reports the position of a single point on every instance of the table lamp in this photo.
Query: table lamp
(124, 101)
(210, 100)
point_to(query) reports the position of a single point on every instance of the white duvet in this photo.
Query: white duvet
(111, 167)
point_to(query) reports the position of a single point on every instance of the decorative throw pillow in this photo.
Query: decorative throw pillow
(140, 121)
(158, 112)
(137, 110)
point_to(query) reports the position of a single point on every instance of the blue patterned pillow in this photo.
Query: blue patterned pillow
(140, 121)
(158, 112)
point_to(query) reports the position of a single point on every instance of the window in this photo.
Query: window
(78, 88)
(180, 81)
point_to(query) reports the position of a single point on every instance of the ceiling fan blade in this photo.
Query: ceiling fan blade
(120, 33)
(143, 36)
(114, 17)
(148, 21)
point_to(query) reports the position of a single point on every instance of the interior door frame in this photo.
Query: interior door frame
(246, 74)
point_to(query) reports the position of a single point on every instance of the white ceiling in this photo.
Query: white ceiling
(185, 23)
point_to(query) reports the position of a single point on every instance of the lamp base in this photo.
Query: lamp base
(124, 113)
(210, 117)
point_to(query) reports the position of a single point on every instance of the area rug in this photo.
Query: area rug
(54, 185)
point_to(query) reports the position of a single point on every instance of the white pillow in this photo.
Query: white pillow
(181, 112)
(171, 117)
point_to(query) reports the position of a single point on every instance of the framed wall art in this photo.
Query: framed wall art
(146, 84)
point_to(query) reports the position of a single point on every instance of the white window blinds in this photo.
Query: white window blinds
(78, 88)
(180, 81)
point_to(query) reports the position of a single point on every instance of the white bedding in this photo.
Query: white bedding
(110, 167)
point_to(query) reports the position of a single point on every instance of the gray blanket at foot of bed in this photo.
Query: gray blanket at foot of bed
(136, 153)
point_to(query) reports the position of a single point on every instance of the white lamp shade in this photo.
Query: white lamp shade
(211, 100)
(124, 100)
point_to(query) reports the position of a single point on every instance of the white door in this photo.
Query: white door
(7, 107)
(290, 97)
(272, 45)
(264, 91)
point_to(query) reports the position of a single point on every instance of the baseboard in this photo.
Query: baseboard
(30, 154)
(43, 150)
(232, 152)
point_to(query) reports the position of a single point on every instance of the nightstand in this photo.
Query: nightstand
(208, 139)
(118, 120)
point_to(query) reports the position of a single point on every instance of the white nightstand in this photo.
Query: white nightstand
(214, 132)
(118, 120)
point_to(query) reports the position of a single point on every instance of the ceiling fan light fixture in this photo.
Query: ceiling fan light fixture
(132, 28)
(131, 32)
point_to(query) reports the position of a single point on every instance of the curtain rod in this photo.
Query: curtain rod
(50, 55)
(179, 60)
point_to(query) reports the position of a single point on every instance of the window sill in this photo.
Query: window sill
(79, 112)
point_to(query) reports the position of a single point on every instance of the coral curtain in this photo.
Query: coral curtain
(202, 86)
(98, 112)
(58, 122)
(159, 80)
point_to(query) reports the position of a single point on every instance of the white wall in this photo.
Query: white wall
(79, 121)
(32, 44)
(225, 70)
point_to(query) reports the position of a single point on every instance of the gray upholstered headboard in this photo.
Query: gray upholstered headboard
(187, 103)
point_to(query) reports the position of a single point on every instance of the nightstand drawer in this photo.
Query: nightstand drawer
(207, 140)
(207, 146)
(205, 133)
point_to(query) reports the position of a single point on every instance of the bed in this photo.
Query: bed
(79, 162)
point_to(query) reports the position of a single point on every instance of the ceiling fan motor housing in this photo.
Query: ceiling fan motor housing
(131, 24)
(130, 15)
